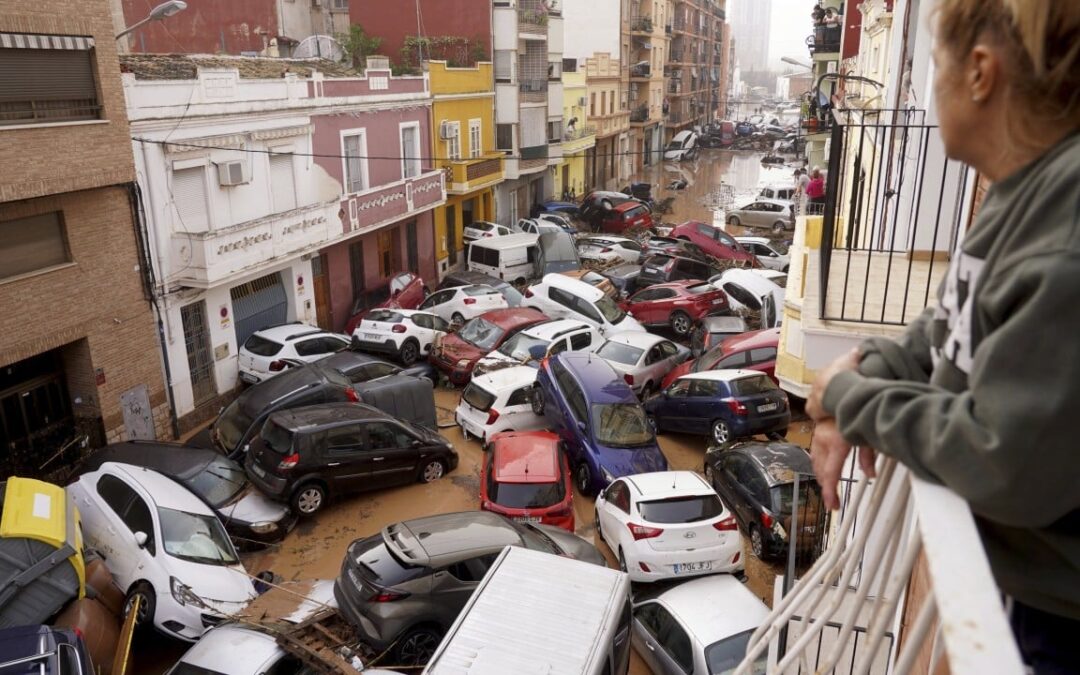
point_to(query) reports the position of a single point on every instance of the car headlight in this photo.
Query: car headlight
(265, 527)
(463, 363)
(608, 478)
(183, 594)
(779, 530)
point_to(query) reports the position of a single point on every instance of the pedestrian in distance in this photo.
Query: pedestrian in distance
(981, 392)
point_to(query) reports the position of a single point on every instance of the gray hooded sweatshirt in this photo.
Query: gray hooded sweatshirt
(982, 392)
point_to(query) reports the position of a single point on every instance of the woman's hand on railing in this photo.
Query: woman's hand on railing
(829, 451)
(848, 361)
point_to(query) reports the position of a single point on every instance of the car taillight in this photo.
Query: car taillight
(528, 292)
(640, 532)
(629, 378)
(493, 415)
(277, 365)
(726, 524)
(389, 596)
(735, 558)
(399, 328)
(352, 394)
(736, 406)
(488, 234)
(289, 462)
(606, 249)
(470, 301)
(766, 520)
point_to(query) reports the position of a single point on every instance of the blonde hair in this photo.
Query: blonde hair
(1040, 42)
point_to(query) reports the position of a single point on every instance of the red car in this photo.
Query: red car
(714, 241)
(755, 350)
(624, 216)
(457, 353)
(404, 290)
(526, 476)
(678, 304)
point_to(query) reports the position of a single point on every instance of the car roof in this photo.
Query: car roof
(576, 286)
(637, 338)
(753, 280)
(467, 276)
(779, 462)
(626, 206)
(605, 237)
(348, 358)
(288, 331)
(724, 323)
(449, 537)
(549, 330)
(507, 241)
(664, 484)
(232, 648)
(679, 284)
(513, 317)
(526, 457)
(170, 459)
(766, 337)
(163, 491)
(765, 241)
(626, 269)
(300, 378)
(722, 375)
(499, 379)
(323, 414)
(714, 607)
(600, 383)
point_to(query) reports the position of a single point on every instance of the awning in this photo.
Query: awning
(33, 41)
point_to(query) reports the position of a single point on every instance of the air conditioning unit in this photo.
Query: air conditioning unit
(234, 173)
(581, 101)
(447, 130)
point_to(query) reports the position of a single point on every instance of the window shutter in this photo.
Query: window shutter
(282, 183)
(189, 196)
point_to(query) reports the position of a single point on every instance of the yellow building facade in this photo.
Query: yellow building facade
(463, 140)
(578, 137)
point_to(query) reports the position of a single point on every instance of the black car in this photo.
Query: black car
(624, 278)
(240, 421)
(659, 269)
(756, 481)
(360, 367)
(248, 516)
(305, 455)
(673, 246)
(471, 278)
(44, 650)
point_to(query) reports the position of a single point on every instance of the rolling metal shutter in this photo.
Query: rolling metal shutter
(258, 304)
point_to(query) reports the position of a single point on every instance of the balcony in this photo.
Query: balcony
(614, 123)
(641, 25)
(468, 175)
(578, 140)
(532, 18)
(825, 42)
(371, 209)
(641, 71)
(533, 91)
(639, 115)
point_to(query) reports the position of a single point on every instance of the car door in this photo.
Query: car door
(122, 513)
(438, 303)
(668, 648)
(639, 302)
(671, 410)
(588, 312)
(701, 407)
(561, 305)
(518, 409)
(740, 475)
(613, 510)
(394, 456)
(453, 585)
(670, 354)
(652, 365)
(346, 464)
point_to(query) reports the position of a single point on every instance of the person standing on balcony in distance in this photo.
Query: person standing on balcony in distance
(815, 192)
(981, 392)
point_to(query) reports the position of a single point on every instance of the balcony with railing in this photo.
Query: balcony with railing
(532, 18)
(533, 91)
(640, 71)
(467, 175)
(578, 139)
(825, 42)
(607, 124)
(639, 115)
(641, 25)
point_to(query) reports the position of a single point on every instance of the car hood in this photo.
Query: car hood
(454, 348)
(628, 323)
(573, 545)
(629, 461)
(213, 583)
(253, 507)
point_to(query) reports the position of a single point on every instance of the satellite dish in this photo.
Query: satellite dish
(320, 47)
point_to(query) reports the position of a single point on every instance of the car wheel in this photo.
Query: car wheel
(416, 647)
(757, 542)
(681, 323)
(778, 227)
(721, 432)
(410, 351)
(583, 478)
(733, 220)
(457, 319)
(432, 471)
(144, 619)
(537, 401)
(308, 499)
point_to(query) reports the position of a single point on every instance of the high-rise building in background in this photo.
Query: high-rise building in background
(750, 21)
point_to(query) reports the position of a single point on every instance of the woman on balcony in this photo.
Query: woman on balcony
(981, 393)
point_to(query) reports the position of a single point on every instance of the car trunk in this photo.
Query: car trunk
(761, 397)
(687, 522)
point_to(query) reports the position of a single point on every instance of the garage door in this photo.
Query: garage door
(258, 304)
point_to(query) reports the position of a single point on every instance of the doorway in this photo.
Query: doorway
(35, 416)
(199, 356)
(323, 312)
(451, 233)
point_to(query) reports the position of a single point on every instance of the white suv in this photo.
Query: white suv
(272, 350)
(458, 305)
(609, 249)
(541, 340)
(405, 333)
(668, 524)
(763, 249)
(561, 297)
(499, 401)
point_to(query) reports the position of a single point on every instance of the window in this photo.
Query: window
(554, 128)
(342, 440)
(680, 389)
(592, 104)
(735, 361)
(341, 5)
(356, 268)
(585, 308)
(354, 147)
(189, 197)
(705, 388)
(282, 183)
(410, 150)
(453, 144)
(47, 78)
(618, 496)
(473, 569)
(504, 137)
(562, 297)
(603, 102)
(520, 397)
(476, 144)
(762, 355)
(32, 243)
(580, 341)
(504, 66)
(382, 436)
(115, 492)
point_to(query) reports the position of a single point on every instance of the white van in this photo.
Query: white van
(518, 621)
(511, 257)
(682, 146)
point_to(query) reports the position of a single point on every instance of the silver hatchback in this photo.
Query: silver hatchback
(775, 214)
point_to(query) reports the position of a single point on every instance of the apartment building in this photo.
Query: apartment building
(650, 34)
(695, 65)
(611, 161)
(579, 133)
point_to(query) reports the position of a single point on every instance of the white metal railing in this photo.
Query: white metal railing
(863, 576)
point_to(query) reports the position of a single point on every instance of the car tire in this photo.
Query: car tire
(536, 401)
(721, 432)
(144, 620)
(681, 323)
(432, 470)
(457, 319)
(583, 479)
(734, 220)
(778, 227)
(757, 543)
(308, 499)
(409, 352)
(416, 647)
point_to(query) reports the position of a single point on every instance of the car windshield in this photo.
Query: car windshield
(478, 397)
(750, 386)
(260, 346)
(782, 496)
(232, 425)
(481, 334)
(276, 438)
(219, 482)
(698, 289)
(195, 538)
(620, 353)
(513, 298)
(621, 425)
(724, 656)
(681, 509)
(521, 345)
(535, 539)
(612, 312)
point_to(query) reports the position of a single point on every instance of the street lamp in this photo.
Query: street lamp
(162, 11)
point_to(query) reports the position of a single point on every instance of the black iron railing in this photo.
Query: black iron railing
(894, 206)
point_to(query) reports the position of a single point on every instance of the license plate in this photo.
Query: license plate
(372, 337)
(527, 519)
(259, 471)
(249, 378)
(767, 407)
(682, 568)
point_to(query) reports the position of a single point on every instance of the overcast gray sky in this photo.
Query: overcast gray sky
(790, 26)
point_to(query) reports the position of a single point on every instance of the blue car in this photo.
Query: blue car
(606, 432)
(569, 209)
(723, 404)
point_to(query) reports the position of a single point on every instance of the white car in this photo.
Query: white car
(163, 544)
(748, 290)
(405, 333)
(699, 627)
(765, 253)
(778, 278)
(668, 524)
(270, 351)
(482, 229)
(542, 340)
(558, 219)
(642, 359)
(609, 249)
(461, 303)
(501, 400)
(561, 297)
(537, 226)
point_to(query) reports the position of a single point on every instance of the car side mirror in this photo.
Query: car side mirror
(141, 539)
(416, 443)
(581, 425)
